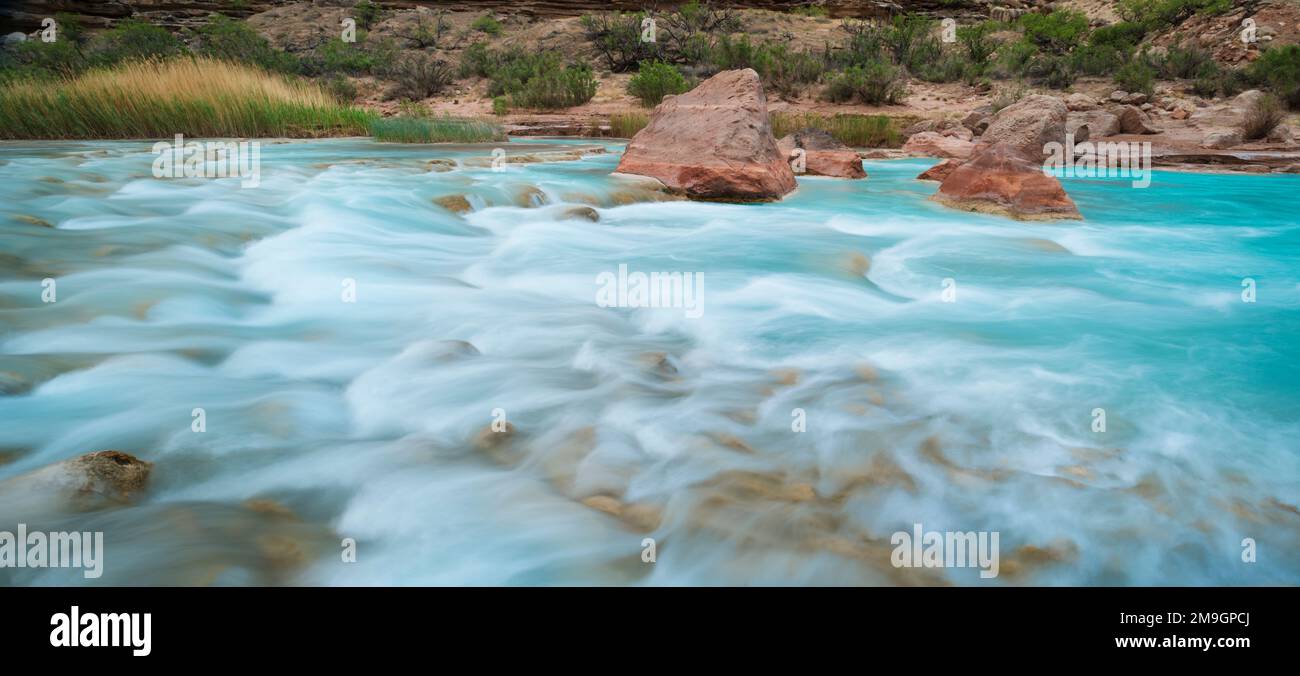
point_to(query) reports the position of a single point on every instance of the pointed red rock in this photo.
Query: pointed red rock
(713, 142)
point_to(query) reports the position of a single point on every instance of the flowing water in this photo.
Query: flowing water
(369, 416)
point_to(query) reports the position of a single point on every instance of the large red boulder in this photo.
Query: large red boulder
(1006, 180)
(713, 142)
(1028, 125)
(822, 154)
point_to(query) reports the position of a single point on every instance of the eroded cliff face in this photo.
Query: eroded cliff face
(26, 15)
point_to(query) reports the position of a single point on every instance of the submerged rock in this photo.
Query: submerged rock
(823, 155)
(455, 203)
(85, 482)
(1004, 180)
(580, 212)
(714, 143)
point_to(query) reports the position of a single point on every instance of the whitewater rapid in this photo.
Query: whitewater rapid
(369, 417)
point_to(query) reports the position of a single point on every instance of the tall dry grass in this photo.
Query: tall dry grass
(157, 99)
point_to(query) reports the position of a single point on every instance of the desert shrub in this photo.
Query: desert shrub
(336, 56)
(341, 89)
(788, 72)
(1136, 76)
(1098, 60)
(875, 83)
(1278, 69)
(1058, 32)
(815, 11)
(950, 67)
(427, 33)
(534, 79)
(366, 13)
(690, 32)
(133, 39)
(500, 106)
(478, 60)
(487, 24)
(229, 40)
(866, 43)
(908, 39)
(1108, 48)
(58, 59)
(655, 80)
(617, 37)
(1157, 14)
(977, 42)
(1119, 34)
(1262, 116)
(1013, 58)
(573, 85)
(417, 76)
(1213, 80)
(1051, 70)
(1183, 62)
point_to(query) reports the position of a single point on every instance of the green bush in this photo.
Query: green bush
(656, 80)
(1058, 32)
(1261, 117)
(1184, 63)
(574, 85)
(532, 79)
(1136, 76)
(417, 76)
(487, 24)
(341, 88)
(617, 37)
(366, 13)
(1013, 58)
(1099, 60)
(976, 40)
(1052, 70)
(58, 59)
(1119, 34)
(133, 39)
(1157, 14)
(230, 40)
(875, 83)
(1278, 69)
(950, 67)
(336, 56)
(478, 60)
(499, 105)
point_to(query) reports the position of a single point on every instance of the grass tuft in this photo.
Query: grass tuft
(198, 97)
(434, 130)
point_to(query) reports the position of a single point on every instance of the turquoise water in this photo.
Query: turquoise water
(368, 420)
